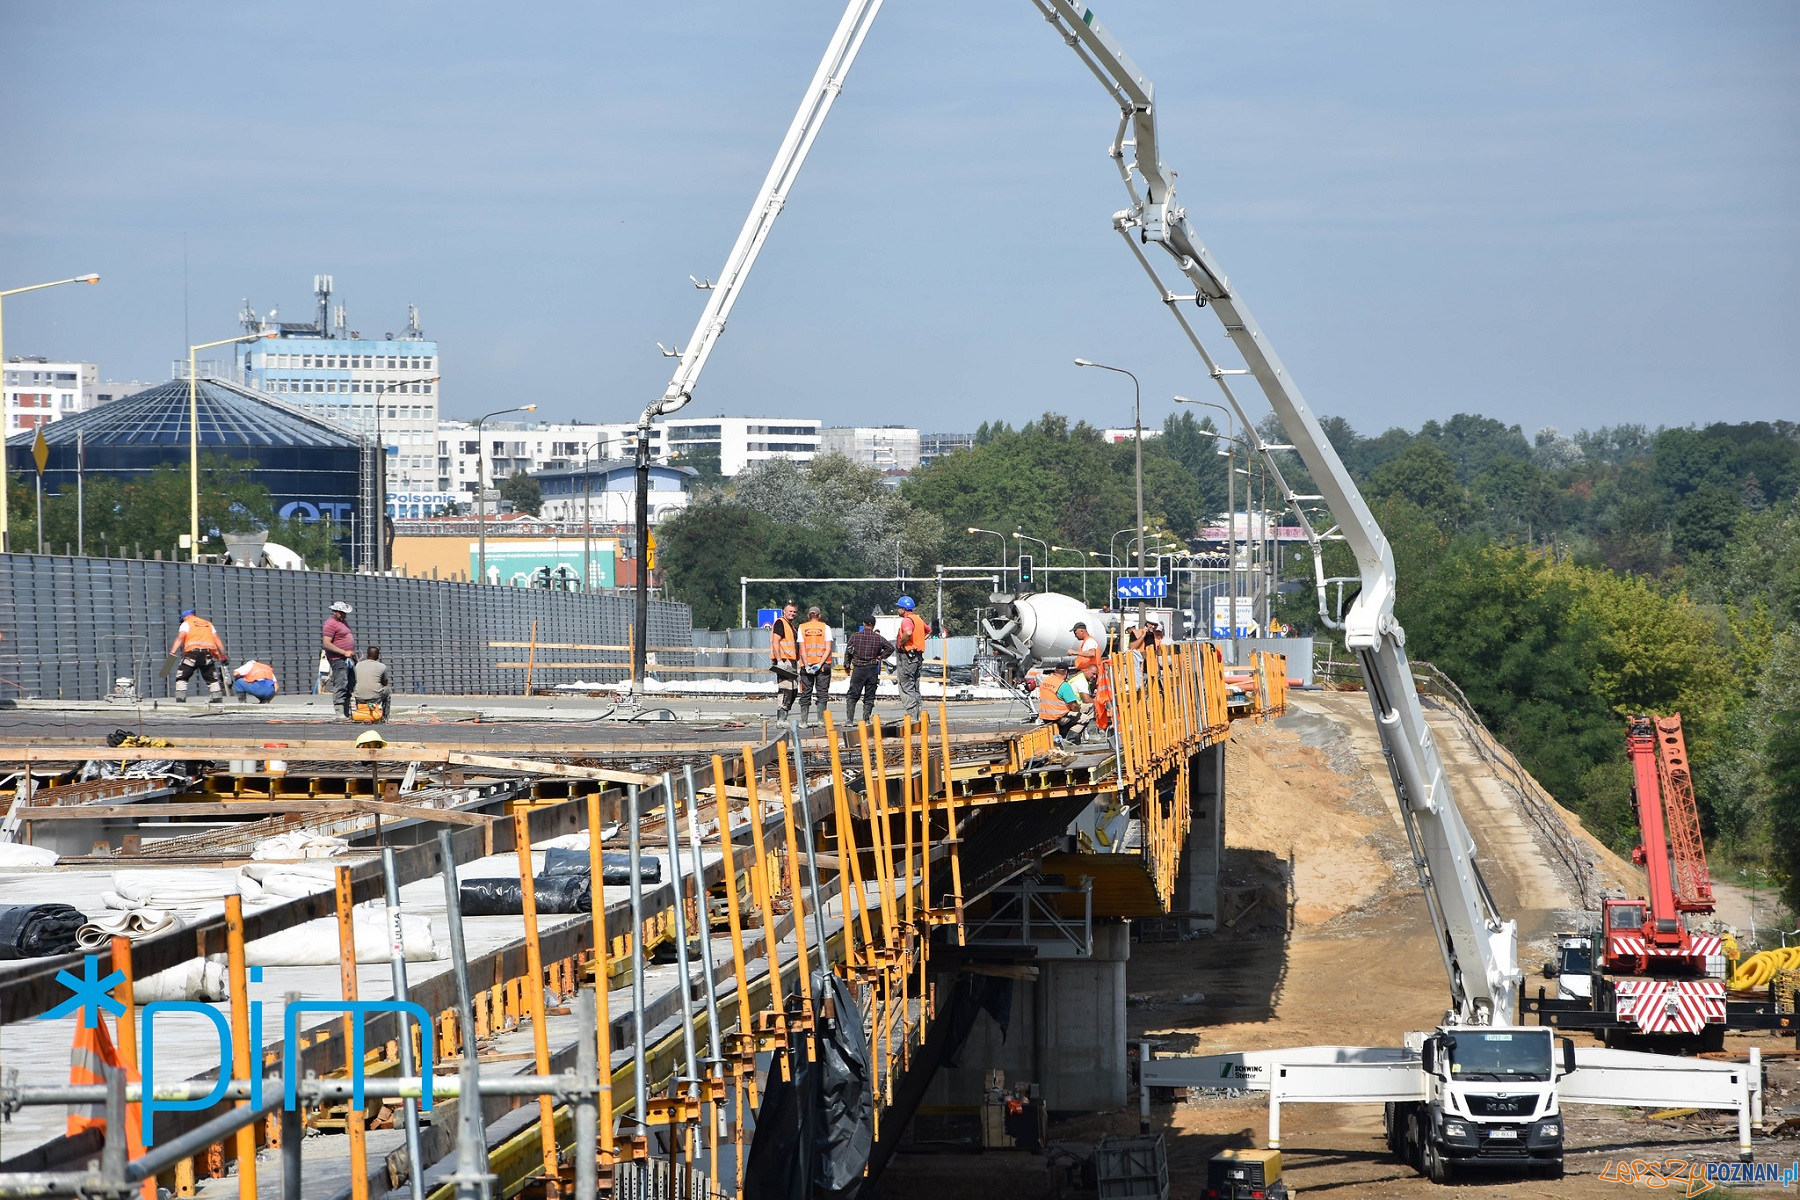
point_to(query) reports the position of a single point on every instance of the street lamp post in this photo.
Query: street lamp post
(1137, 409)
(587, 511)
(1082, 555)
(194, 433)
(380, 514)
(1110, 542)
(1002, 537)
(5, 518)
(1230, 453)
(481, 482)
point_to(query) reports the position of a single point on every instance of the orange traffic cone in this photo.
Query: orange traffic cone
(89, 1057)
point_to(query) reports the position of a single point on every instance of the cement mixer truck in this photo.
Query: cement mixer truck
(1024, 630)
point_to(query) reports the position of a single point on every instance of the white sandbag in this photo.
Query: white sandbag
(169, 889)
(196, 979)
(135, 923)
(284, 880)
(17, 854)
(301, 844)
(575, 841)
(315, 943)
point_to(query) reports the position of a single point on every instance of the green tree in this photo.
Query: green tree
(523, 493)
(1424, 475)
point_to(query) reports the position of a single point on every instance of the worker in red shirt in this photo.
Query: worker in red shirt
(340, 654)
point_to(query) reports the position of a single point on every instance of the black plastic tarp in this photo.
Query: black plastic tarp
(500, 897)
(38, 930)
(814, 1133)
(615, 866)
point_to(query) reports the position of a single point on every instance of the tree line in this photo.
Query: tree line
(1564, 581)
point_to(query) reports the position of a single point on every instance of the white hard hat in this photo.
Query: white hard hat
(340, 606)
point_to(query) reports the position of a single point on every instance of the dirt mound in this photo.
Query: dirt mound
(1289, 799)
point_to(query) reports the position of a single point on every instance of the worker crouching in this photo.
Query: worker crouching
(1059, 704)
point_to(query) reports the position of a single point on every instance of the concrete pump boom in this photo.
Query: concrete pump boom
(1479, 949)
(722, 295)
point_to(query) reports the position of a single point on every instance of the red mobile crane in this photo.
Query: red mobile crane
(1663, 978)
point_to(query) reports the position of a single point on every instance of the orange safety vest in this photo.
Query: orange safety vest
(815, 643)
(1087, 660)
(781, 641)
(1052, 707)
(1103, 698)
(198, 634)
(258, 670)
(913, 631)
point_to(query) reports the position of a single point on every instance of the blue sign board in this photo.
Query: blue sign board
(1149, 587)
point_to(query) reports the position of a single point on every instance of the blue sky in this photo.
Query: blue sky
(1552, 214)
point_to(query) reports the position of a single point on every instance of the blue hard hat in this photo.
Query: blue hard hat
(186, 613)
(905, 602)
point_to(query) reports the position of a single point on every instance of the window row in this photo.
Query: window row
(370, 389)
(373, 362)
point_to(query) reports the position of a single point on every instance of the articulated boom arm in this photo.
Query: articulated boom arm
(1693, 880)
(1664, 926)
(1479, 949)
(815, 106)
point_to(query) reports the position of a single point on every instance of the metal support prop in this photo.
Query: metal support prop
(850, 883)
(743, 1060)
(240, 1038)
(397, 965)
(715, 1065)
(472, 1178)
(125, 994)
(802, 960)
(588, 1071)
(534, 999)
(353, 1116)
(812, 854)
(640, 1068)
(953, 837)
(678, 1142)
(602, 980)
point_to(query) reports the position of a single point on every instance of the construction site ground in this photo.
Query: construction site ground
(1331, 945)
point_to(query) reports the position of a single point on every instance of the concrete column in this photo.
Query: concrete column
(1081, 1025)
(1197, 883)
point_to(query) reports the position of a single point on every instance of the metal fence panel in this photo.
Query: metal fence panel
(69, 626)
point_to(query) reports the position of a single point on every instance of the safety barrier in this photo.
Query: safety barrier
(70, 626)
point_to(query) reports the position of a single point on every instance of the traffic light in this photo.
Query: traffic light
(1165, 565)
(1025, 565)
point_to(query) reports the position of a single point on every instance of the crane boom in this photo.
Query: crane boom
(722, 295)
(1479, 948)
(1693, 880)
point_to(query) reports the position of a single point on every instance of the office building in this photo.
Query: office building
(605, 492)
(379, 387)
(38, 391)
(885, 447)
(933, 446)
(743, 441)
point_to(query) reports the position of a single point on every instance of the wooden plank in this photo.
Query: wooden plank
(596, 647)
(535, 766)
(653, 668)
(238, 808)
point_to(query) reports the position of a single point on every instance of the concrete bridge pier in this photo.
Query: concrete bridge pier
(1197, 882)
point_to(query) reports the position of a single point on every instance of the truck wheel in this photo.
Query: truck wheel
(1437, 1167)
(1712, 1039)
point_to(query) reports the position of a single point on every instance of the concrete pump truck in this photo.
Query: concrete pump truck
(1480, 1088)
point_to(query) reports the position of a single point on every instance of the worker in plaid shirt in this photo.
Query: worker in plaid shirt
(862, 656)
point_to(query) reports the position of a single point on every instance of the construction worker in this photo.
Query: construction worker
(784, 658)
(862, 658)
(199, 647)
(816, 654)
(1059, 704)
(254, 679)
(340, 652)
(373, 684)
(910, 653)
(1087, 653)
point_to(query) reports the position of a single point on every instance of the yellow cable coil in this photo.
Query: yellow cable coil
(1756, 972)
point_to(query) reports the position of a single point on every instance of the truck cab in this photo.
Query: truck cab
(1491, 1102)
(1573, 968)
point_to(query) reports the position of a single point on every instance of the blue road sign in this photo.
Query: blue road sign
(1150, 587)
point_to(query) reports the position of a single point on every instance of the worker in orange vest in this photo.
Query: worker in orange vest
(200, 648)
(910, 657)
(1059, 704)
(254, 679)
(816, 652)
(784, 658)
(1087, 653)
